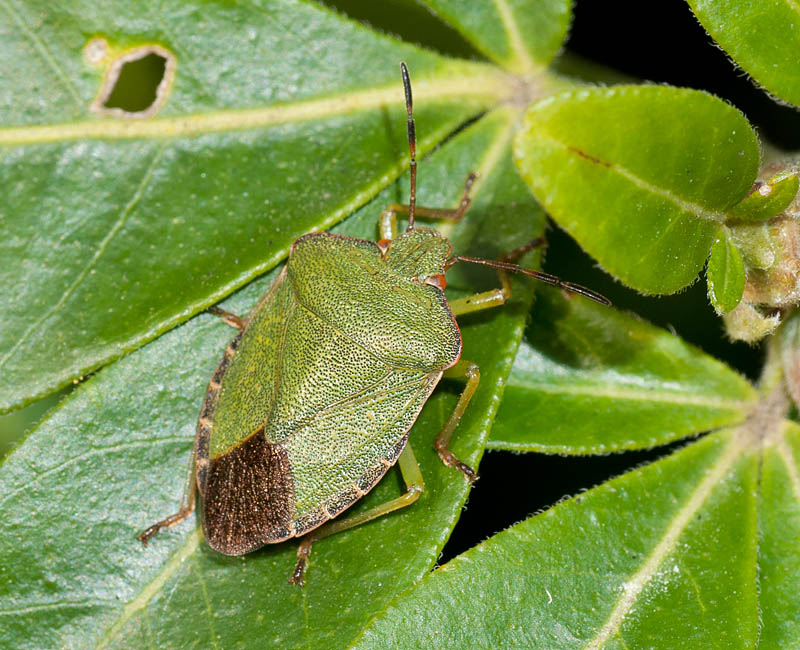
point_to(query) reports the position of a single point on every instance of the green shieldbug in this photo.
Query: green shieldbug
(314, 398)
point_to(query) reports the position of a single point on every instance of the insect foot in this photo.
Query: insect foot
(450, 459)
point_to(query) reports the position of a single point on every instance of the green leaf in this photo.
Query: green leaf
(762, 37)
(519, 35)
(779, 539)
(590, 379)
(726, 275)
(638, 185)
(14, 425)
(110, 460)
(662, 557)
(767, 199)
(114, 230)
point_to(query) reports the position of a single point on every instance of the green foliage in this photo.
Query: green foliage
(761, 37)
(518, 35)
(282, 117)
(137, 225)
(644, 580)
(726, 275)
(593, 380)
(140, 442)
(769, 199)
(644, 201)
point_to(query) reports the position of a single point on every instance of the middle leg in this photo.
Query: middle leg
(471, 371)
(493, 297)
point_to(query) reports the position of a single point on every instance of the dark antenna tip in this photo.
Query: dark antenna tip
(412, 145)
(406, 86)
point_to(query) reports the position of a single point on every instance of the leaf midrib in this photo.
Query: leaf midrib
(146, 594)
(522, 58)
(616, 394)
(632, 588)
(487, 86)
(785, 453)
(684, 205)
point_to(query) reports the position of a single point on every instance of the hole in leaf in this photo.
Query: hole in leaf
(137, 83)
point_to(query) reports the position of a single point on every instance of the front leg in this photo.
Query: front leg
(388, 219)
(230, 318)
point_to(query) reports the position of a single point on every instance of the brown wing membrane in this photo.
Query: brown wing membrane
(249, 497)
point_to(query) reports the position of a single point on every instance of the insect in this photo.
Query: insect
(314, 398)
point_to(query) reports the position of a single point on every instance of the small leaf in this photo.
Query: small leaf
(590, 379)
(111, 458)
(762, 37)
(726, 275)
(113, 230)
(520, 35)
(767, 199)
(639, 186)
(661, 557)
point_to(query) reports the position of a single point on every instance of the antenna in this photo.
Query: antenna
(412, 145)
(538, 275)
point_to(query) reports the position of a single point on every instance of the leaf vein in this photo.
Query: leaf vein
(683, 204)
(521, 54)
(596, 390)
(126, 212)
(133, 606)
(206, 600)
(488, 88)
(666, 545)
(491, 158)
(44, 52)
(785, 453)
(94, 452)
(39, 607)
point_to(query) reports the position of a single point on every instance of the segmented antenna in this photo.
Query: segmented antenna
(412, 145)
(538, 275)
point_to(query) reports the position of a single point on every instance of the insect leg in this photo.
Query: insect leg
(231, 319)
(187, 501)
(412, 477)
(494, 297)
(462, 369)
(452, 214)
(504, 265)
(387, 224)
